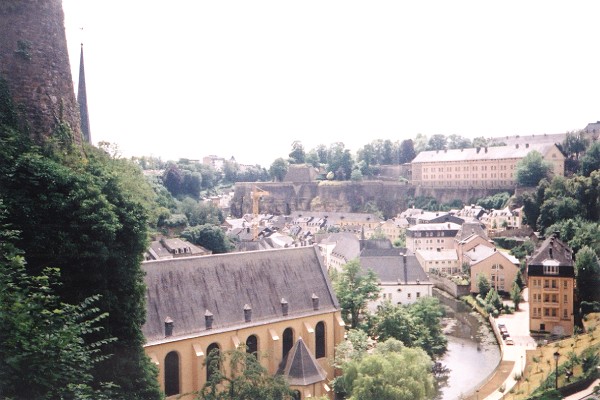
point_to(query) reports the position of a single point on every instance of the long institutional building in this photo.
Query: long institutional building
(482, 167)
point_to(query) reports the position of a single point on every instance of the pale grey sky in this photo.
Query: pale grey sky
(188, 78)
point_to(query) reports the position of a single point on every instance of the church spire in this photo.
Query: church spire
(82, 100)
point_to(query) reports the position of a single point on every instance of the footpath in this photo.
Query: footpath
(514, 358)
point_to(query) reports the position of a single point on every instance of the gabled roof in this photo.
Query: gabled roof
(397, 268)
(469, 230)
(185, 289)
(480, 252)
(300, 367)
(552, 252)
(489, 153)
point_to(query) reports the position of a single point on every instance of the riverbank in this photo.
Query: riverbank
(473, 353)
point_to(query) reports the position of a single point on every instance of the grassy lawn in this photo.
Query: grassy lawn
(540, 362)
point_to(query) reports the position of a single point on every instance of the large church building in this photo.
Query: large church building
(278, 303)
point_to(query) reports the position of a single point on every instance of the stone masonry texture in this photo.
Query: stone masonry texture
(34, 61)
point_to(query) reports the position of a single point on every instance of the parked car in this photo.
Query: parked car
(509, 341)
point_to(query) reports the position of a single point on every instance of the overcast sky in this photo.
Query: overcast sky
(189, 78)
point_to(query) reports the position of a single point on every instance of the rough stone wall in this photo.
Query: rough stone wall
(389, 197)
(34, 61)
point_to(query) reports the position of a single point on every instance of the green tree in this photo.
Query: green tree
(354, 288)
(244, 378)
(587, 274)
(356, 175)
(406, 152)
(515, 295)
(278, 169)
(76, 215)
(392, 372)
(496, 201)
(459, 142)
(43, 354)
(428, 311)
(208, 236)
(437, 142)
(532, 169)
(173, 179)
(200, 213)
(590, 161)
(483, 284)
(297, 155)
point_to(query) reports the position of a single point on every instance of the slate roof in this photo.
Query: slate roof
(492, 153)
(470, 229)
(300, 367)
(185, 289)
(552, 251)
(301, 173)
(392, 267)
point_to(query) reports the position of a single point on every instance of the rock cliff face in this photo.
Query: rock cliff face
(35, 63)
(389, 197)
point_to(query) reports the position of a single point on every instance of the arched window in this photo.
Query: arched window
(288, 341)
(213, 360)
(296, 395)
(172, 373)
(320, 340)
(252, 345)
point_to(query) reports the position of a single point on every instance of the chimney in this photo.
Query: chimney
(247, 313)
(168, 327)
(284, 306)
(550, 252)
(208, 319)
(315, 301)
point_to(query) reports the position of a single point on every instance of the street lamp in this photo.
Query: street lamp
(556, 355)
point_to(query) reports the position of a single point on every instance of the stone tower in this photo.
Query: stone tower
(82, 100)
(35, 63)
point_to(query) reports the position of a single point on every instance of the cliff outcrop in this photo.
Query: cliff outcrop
(390, 198)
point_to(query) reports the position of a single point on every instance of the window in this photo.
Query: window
(320, 340)
(565, 314)
(172, 373)
(565, 299)
(288, 341)
(418, 294)
(408, 295)
(213, 360)
(551, 269)
(252, 345)
(565, 284)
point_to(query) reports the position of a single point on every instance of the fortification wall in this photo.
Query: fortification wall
(35, 63)
(390, 197)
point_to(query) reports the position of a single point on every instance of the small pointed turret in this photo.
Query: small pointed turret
(82, 100)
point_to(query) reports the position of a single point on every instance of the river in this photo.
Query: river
(473, 353)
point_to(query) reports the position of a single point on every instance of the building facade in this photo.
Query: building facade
(431, 236)
(551, 281)
(482, 167)
(267, 301)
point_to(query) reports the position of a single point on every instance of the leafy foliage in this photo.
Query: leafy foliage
(392, 372)
(43, 354)
(354, 288)
(243, 378)
(209, 236)
(74, 214)
(278, 169)
(532, 169)
(496, 201)
(483, 285)
(587, 273)
(415, 325)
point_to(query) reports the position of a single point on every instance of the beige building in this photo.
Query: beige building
(439, 261)
(279, 303)
(431, 236)
(483, 167)
(499, 220)
(498, 267)
(551, 281)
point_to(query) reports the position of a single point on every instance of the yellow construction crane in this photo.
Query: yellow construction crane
(257, 194)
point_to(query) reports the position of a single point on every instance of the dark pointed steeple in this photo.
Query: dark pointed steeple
(82, 100)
